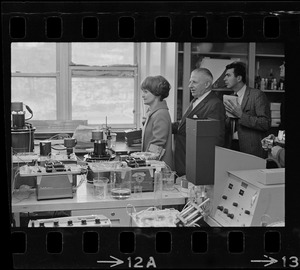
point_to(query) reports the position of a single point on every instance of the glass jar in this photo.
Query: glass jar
(120, 181)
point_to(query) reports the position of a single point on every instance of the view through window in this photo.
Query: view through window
(101, 85)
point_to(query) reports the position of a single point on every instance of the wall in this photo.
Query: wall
(159, 59)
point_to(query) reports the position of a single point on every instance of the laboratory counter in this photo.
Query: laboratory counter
(85, 203)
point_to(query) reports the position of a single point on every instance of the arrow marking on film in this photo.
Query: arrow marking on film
(115, 262)
(269, 262)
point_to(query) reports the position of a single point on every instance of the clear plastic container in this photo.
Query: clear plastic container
(168, 180)
(120, 184)
(100, 187)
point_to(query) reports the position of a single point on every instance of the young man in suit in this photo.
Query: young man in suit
(252, 111)
(204, 105)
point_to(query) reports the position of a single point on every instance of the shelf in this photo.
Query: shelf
(230, 90)
(273, 91)
(221, 53)
(270, 55)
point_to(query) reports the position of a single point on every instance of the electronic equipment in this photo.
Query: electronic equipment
(135, 162)
(201, 138)
(70, 143)
(101, 152)
(252, 198)
(73, 221)
(45, 148)
(53, 181)
(133, 136)
(22, 133)
(54, 166)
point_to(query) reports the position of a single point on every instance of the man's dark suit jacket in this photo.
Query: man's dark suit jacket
(210, 107)
(255, 122)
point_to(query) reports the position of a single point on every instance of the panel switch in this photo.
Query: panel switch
(220, 207)
(230, 216)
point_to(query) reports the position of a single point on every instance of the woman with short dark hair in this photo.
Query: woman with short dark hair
(157, 129)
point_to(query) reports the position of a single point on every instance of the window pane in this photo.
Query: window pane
(101, 54)
(33, 57)
(95, 98)
(38, 93)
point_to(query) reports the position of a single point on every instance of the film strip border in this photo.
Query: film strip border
(153, 247)
(162, 27)
(140, 22)
(132, 21)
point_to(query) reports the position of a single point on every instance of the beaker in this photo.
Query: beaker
(122, 184)
(100, 187)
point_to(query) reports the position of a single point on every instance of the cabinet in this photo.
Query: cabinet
(260, 59)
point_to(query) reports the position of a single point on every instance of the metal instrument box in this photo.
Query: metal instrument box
(52, 185)
(247, 202)
(201, 137)
(133, 136)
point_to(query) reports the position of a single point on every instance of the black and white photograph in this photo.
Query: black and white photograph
(150, 139)
(147, 134)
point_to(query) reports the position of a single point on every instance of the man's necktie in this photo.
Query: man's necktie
(188, 110)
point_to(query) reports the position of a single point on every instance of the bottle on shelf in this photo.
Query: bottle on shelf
(262, 84)
(281, 84)
(257, 77)
(274, 84)
(270, 80)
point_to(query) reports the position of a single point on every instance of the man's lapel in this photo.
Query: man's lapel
(245, 98)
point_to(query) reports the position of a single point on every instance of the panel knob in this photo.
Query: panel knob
(220, 207)
(224, 197)
(225, 211)
(230, 216)
(70, 223)
(235, 204)
(97, 221)
(247, 212)
(83, 222)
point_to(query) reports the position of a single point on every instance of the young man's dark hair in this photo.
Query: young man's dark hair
(239, 69)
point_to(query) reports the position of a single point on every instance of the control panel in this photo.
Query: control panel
(73, 221)
(247, 202)
(50, 168)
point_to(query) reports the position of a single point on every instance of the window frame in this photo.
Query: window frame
(66, 70)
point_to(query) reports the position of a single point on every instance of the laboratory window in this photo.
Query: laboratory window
(96, 82)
